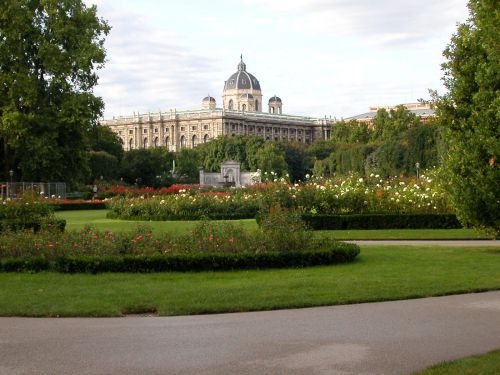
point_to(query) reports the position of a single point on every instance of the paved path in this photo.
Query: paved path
(495, 243)
(378, 338)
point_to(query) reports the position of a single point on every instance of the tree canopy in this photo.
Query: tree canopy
(470, 112)
(49, 53)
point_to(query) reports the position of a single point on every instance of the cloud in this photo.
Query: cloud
(383, 22)
(149, 69)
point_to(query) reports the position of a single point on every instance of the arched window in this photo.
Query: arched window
(256, 106)
(272, 109)
(156, 142)
(145, 143)
(166, 141)
(205, 138)
(243, 107)
(194, 141)
(183, 141)
(130, 144)
(230, 105)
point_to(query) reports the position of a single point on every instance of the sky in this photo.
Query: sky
(321, 57)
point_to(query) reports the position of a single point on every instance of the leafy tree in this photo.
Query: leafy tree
(271, 159)
(146, 167)
(102, 138)
(188, 164)
(103, 164)
(49, 51)
(295, 159)
(470, 112)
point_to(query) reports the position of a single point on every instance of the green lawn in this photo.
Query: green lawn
(486, 364)
(398, 272)
(78, 219)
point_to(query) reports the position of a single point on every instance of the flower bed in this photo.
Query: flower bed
(333, 196)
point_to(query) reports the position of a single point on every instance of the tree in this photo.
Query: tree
(146, 167)
(49, 52)
(102, 138)
(271, 159)
(470, 112)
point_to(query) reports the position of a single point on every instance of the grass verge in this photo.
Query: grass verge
(379, 274)
(486, 364)
(76, 220)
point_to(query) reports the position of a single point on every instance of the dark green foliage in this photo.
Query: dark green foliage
(188, 165)
(80, 206)
(338, 253)
(36, 226)
(103, 165)
(49, 51)
(143, 166)
(34, 264)
(295, 159)
(470, 114)
(385, 221)
(102, 138)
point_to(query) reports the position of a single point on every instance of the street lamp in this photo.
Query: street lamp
(417, 165)
(11, 174)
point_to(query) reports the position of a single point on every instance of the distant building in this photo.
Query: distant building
(422, 110)
(241, 114)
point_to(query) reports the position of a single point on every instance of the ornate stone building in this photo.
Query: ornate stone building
(241, 114)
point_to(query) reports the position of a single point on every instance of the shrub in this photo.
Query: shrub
(383, 221)
(335, 254)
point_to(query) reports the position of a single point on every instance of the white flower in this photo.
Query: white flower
(307, 175)
(162, 201)
(360, 180)
(377, 176)
(371, 174)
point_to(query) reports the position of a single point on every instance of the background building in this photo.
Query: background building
(241, 114)
(421, 110)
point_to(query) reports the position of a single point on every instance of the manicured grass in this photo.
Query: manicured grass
(486, 364)
(398, 272)
(76, 220)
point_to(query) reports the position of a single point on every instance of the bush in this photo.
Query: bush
(335, 254)
(383, 221)
(35, 264)
(73, 206)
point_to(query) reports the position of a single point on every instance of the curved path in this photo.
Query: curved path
(376, 338)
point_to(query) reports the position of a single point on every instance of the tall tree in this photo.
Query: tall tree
(470, 112)
(49, 53)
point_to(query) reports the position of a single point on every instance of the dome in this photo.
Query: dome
(275, 99)
(242, 80)
(208, 99)
(246, 96)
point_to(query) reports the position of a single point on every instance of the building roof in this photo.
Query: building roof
(371, 115)
(275, 99)
(209, 99)
(242, 80)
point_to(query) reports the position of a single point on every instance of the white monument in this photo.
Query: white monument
(230, 175)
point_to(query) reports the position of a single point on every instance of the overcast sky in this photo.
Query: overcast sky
(322, 57)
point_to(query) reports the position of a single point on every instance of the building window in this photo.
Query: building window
(230, 105)
(182, 128)
(256, 105)
(156, 130)
(156, 142)
(145, 143)
(145, 131)
(119, 132)
(166, 141)
(244, 107)
(205, 138)
(233, 126)
(130, 132)
(130, 144)
(205, 127)
(194, 141)
(194, 127)
(183, 141)
(243, 80)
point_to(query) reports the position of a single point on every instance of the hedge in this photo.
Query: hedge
(80, 206)
(340, 253)
(13, 225)
(382, 221)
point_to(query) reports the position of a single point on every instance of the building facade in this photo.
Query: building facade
(241, 114)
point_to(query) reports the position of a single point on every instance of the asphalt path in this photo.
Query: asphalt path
(374, 338)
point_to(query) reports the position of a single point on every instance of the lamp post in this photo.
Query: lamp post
(417, 166)
(11, 174)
